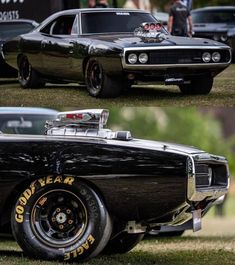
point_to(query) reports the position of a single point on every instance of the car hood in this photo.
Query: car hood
(212, 27)
(166, 146)
(134, 143)
(125, 41)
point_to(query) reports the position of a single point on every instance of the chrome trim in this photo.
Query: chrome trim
(2, 52)
(80, 24)
(151, 66)
(220, 200)
(211, 193)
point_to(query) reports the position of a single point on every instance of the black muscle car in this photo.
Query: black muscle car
(81, 189)
(8, 30)
(111, 49)
(217, 23)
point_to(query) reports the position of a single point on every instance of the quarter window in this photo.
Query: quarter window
(60, 26)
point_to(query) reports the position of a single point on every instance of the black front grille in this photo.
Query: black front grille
(186, 56)
(179, 56)
(202, 175)
(175, 57)
(211, 174)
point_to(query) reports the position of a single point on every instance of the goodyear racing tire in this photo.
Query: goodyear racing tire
(60, 218)
(99, 84)
(122, 243)
(197, 87)
(28, 77)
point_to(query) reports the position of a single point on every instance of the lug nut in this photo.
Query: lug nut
(61, 227)
(68, 211)
(58, 210)
(70, 222)
(53, 219)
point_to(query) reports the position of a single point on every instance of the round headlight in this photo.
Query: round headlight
(132, 58)
(224, 38)
(143, 58)
(216, 57)
(206, 57)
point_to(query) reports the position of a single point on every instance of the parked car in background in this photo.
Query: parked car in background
(8, 30)
(23, 120)
(111, 49)
(81, 189)
(216, 23)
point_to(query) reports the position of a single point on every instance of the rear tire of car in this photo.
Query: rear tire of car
(61, 218)
(197, 87)
(28, 77)
(99, 84)
(122, 243)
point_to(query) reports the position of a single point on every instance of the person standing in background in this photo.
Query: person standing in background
(91, 3)
(102, 4)
(138, 4)
(98, 4)
(188, 4)
(178, 17)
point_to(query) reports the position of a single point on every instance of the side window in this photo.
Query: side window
(60, 26)
(47, 28)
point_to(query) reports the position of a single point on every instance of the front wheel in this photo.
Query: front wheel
(122, 243)
(99, 84)
(60, 218)
(197, 86)
(28, 77)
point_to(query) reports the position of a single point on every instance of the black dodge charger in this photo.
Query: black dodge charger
(81, 189)
(111, 49)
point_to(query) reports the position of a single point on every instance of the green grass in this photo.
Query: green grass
(214, 243)
(73, 95)
(187, 250)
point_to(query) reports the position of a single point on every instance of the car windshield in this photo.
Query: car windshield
(113, 22)
(11, 30)
(23, 123)
(214, 16)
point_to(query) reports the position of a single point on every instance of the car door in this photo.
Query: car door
(57, 47)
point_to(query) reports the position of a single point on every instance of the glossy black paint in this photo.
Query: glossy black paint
(64, 57)
(136, 183)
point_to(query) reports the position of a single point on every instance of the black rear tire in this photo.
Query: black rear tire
(99, 84)
(28, 77)
(122, 243)
(61, 218)
(197, 87)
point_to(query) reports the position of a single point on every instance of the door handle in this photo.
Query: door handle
(71, 46)
(44, 43)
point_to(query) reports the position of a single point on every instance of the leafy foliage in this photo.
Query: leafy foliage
(181, 125)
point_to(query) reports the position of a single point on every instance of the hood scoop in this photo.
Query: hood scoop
(150, 32)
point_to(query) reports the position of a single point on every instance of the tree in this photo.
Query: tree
(181, 125)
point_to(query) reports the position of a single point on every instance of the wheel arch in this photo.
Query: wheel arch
(84, 64)
(24, 184)
(19, 57)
